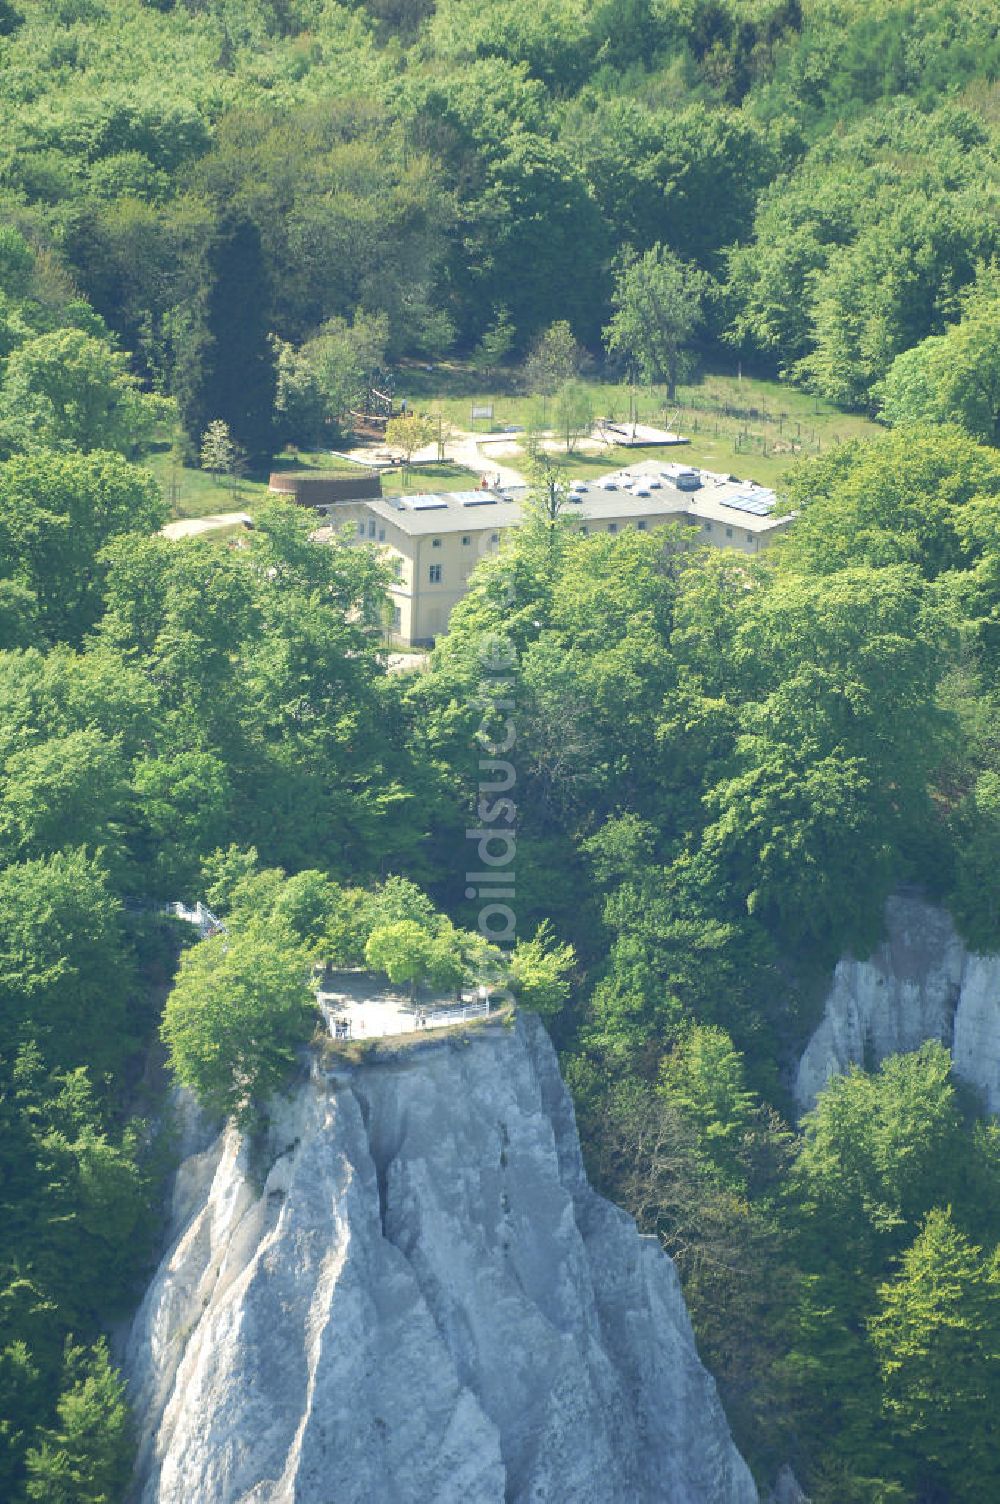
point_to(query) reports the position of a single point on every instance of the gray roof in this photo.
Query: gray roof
(416, 516)
(718, 499)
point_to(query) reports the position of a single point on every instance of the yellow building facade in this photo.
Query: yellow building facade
(433, 542)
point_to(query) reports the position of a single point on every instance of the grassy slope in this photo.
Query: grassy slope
(751, 428)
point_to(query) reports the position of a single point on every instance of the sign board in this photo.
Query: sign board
(484, 411)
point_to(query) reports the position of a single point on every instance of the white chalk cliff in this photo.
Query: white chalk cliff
(423, 1301)
(921, 983)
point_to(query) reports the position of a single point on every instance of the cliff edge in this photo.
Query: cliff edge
(417, 1296)
(921, 983)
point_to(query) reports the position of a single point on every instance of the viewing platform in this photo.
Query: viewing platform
(357, 1006)
(627, 434)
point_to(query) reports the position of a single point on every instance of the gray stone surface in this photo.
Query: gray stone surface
(424, 1301)
(920, 984)
(787, 1489)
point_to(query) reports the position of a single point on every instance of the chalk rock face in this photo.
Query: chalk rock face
(920, 984)
(976, 1045)
(417, 1296)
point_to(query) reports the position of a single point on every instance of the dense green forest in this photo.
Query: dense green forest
(218, 209)
(267, 203)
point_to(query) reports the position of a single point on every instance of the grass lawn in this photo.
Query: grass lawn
(705, 451)
(190, 492)
(195, 493)
(751, 428)
(444, 477)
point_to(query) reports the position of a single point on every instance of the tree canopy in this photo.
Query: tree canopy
(658, 307)
(251, 214)
(238, 1011)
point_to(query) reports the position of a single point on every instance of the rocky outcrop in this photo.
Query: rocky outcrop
(921, 983)
(420, 1297)
(787, 1489)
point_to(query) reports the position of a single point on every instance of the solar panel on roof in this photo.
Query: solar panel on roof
(476, 499)
(758, 504)
(426, 503)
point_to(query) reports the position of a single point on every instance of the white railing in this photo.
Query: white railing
(377, 1020)
(201, 917)
(439, 1017)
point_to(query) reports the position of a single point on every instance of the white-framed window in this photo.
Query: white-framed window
(397, 618)
(641, 525)
(397, 567)
(494, 537)
(371, 527)
(466, 541)
(707, 526)
(434, 574)
(612, 527)
(749, 537)
(435, 543)
(361, 530)
(381, 535)
(729, 532)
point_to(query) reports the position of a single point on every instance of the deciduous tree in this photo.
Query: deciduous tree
(658, 306)
(239, 1011)
(540, 970)
(57, 514)
(86, 1457)
(217, 449)
(937, 1337)
(554, 359)
(403, 950)
(70, 390)
(408, 433)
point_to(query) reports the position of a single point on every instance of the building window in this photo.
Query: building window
(397, 567)
(707, 526)
(361, 530)
(641, 526)
(494, 537)
(466, 541)
(729, 532)
(612, 527)
(584, 529)
(381, 535)
(749, 537)
(371, 528)
(435, 574)
(397, 618)
(435, 543)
